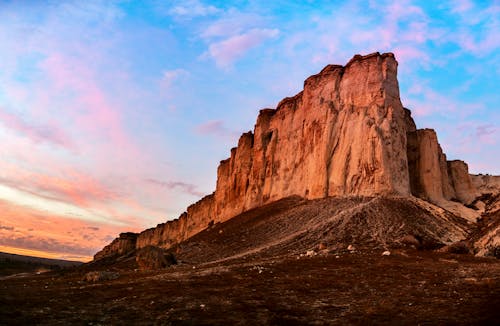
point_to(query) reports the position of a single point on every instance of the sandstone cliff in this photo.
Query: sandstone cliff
(345, 134)
(126, 242)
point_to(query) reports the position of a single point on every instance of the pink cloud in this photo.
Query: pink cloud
(217, 128)
(487, 133)
(171, 76)
(225, 52)
(183, 186)
(407, 54)
(424, 101)
(92, 111)
(74, 188)
(49, 133)
(27, 228)
(192, 8)
(460, 6)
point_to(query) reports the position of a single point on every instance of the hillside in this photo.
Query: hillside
(14, 264)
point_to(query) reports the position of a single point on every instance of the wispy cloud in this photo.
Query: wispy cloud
(38, 133)
(192, 8)
(227, 51)
(216, 128)
(169, 77)
(187, 188)
(7, 228)
(43, 231)
(487, 133)
(77, 189)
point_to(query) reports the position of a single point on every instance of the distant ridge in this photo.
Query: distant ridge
(14, 264)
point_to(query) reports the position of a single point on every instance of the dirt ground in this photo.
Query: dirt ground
(286, 263)
(362, 287)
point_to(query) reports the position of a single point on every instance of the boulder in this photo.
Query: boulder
(151, 258)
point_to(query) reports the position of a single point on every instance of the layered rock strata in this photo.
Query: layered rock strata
(346, 133)
(125, 243)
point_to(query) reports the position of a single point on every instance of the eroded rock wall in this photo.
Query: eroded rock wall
(461, 181)
(427, 166)
(125, 243)
(344, 134)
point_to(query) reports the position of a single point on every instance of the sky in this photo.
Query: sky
(114, 115)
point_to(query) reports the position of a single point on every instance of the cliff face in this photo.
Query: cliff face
(126, 242)
(429, 177)
(346, 133)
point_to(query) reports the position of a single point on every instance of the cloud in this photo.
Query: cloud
(48, 133)
(44, 231)
(170, 76)
(75, 188)
(486, 133)
(227, 51)
(217, 128)
(478, 27)
(184, 187)
(425, 101)
(231, 23)
(192, 8)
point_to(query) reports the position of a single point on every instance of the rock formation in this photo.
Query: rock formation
(151, 258)
(125, 243)
(429, 178)
(345, 134)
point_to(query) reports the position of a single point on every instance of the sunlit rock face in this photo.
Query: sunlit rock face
(346, 133)
(432, 177)
(126, 242)
(429, 178)
(461, 181)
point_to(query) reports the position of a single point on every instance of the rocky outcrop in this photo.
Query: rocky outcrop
(461, 181)
(428, 168)
(345, 134)
(151, 258)
(486, 183)
(432, 177)
(125, 243)
(197, 218)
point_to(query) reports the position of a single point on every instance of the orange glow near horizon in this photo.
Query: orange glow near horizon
(43, 254)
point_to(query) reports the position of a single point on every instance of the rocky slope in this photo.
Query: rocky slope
(345, 134)
(296, 226)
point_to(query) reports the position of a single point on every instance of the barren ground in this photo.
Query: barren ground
(408, 287)
(252, 270)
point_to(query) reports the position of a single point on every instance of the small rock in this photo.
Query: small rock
(386, 253)
(351, 248)
(321, 246)
(99, 276)
(310, 253)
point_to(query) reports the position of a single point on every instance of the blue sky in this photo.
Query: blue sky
(115, 114)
